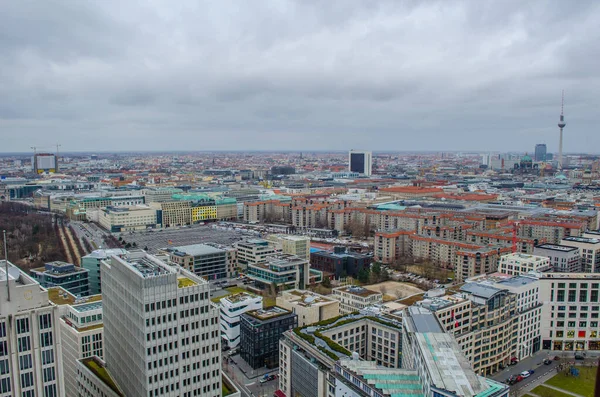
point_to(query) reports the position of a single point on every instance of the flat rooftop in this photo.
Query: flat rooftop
(557, 247)
(585, 240)
(15, 274)
(423, 320)
(60, 296)
(239, 297)
(98, 368)
(267, 314)
(480, 289)
(196, 250)
(86, 307)
(358, 291)
(518, 281)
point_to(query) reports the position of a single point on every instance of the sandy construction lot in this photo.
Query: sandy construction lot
(395, 289)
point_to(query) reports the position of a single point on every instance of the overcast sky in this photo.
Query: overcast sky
(389, 75)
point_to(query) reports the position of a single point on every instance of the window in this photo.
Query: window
(22, 325)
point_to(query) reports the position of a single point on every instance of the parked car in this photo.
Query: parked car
(547, 361)
(519, 378)
(579, 356)
(556, 358)
(525, 374)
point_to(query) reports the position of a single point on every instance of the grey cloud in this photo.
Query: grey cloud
(413, 75)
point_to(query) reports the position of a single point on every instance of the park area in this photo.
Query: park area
(566, 385)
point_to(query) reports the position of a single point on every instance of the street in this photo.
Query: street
(248, 380)
(91, 232)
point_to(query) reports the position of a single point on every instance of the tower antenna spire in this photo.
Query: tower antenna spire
(561, 125)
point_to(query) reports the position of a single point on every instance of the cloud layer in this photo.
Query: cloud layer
(283, 75)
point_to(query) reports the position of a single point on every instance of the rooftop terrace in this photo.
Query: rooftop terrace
(98, 368)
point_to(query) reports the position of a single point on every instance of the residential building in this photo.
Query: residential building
(160, 195)
(161, 331)
(473, 316)
(280, 270)
(360, 161)
(354, 298)
(61, 274)
(571, 311)
(94, 380)
(309, 306)
(340, 263)
(253, 251)
(563, 258)
(30, 341)
(232, 307)
(291, 244)
(82, 333)
(589, 249)
(390, 246)
(516, 264)
(91, 262)
(473, 262)
(201, 259)
(260, 331)
(124, 219)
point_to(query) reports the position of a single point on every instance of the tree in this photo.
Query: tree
(326, 282)
(363, 275)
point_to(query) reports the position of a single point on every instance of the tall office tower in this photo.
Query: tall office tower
(161, 332)
(30, 343)
(360, 161)
(561, 125)
(540, 152)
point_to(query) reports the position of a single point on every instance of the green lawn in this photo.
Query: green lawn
(584, 384)
(268, 301)
(544, 391)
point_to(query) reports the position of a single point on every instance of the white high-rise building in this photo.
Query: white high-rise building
(161, 331)
(360, 161)
(232, 307)
(30, 343)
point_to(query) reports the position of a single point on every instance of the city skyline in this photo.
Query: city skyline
(436, 76)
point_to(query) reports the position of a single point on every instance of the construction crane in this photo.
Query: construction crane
(514, 237)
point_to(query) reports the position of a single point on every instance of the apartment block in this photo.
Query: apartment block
(61, 274)
(161, 330)
(589, 249)
(231, 308)
(563, 258)
(517, 264)
(473, 262)
(260, 331)
(355, 298)
(175, 213)
(309, 306)
(30, 340)
(391, 246)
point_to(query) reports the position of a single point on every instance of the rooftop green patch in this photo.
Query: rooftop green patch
(184, 282)
(94, 365)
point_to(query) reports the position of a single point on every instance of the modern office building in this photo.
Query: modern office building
(161, 331)
(125, 219)
(201, 259)
(160, 195)
(91, 262)
(82, 331)
(61, 274)
(30, 341)
(540, 152)
(291, 244)
(260, 331)
(232, 307)
(563, 258)
(354, 298)
(473, 316)
(44, 162)
(518, 263)
(281, 270)
(360, 161)
(529, 308)
(589, 249)
(309, 306)
(253, 251)
(571, 311)
(340, 263)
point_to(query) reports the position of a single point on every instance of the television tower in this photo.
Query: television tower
(561, 125)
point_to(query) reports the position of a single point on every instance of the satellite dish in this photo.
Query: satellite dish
(14, 273)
